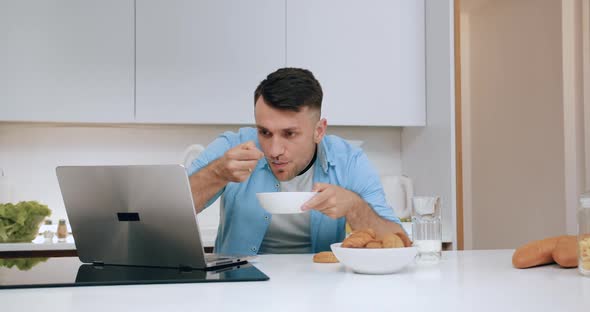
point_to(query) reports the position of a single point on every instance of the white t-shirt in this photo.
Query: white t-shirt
(290, 233)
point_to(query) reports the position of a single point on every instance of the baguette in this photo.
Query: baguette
(565, 253)
(535, 253)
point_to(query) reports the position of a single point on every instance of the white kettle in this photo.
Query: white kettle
(191, 153)
(399, 191)
(6, 188)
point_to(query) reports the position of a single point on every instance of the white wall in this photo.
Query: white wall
(428, 153)
(573, 109)
(29, 152)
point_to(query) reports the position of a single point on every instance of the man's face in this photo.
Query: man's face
(288, 139)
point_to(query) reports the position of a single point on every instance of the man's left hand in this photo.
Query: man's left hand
(331, 200)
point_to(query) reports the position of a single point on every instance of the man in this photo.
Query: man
(288, 151)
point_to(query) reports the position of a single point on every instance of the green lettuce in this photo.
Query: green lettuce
(20, 222)
(23, 264)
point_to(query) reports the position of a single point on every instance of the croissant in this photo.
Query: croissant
(374, 244)
(392, 241)
(359, 239)
(325, 257)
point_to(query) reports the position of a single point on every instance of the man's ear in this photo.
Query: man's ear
(320, 130)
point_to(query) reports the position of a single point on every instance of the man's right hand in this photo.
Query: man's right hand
(237, 164)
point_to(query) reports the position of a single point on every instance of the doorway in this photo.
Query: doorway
(521, 119)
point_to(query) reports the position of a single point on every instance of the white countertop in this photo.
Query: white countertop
(463, 281)
(39, 244)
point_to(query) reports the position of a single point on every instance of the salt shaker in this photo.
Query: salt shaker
(48, 233)
(426, 228)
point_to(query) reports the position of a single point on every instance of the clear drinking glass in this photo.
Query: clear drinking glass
(584, 235)
(426, 228)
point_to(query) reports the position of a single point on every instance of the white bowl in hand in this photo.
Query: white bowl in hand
(375, 261)
(284, 202)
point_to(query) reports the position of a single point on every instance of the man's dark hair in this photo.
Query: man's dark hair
(290, 89)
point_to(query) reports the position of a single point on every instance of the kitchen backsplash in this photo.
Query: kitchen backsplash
(29, 152)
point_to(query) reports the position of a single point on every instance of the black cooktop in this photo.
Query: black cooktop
(69, 271)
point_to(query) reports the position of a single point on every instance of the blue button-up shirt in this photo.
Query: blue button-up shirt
(244, 222)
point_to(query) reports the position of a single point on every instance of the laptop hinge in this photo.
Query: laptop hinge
(97, 263)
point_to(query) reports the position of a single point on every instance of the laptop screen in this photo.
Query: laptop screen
(132, 215)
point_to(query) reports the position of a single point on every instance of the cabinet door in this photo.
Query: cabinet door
(200, 61)
(368, 56)
(66, 60)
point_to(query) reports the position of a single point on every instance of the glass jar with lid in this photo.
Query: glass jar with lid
(62, 231)
(584, 235)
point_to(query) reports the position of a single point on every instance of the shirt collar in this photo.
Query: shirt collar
(323, 156)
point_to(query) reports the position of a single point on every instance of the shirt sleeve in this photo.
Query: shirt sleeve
(214, 150)
(365, 181)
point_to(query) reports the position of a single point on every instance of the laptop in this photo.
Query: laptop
(139, 215)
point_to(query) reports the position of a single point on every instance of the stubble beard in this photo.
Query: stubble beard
(281, 176)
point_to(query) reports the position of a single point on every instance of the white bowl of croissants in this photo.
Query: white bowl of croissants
(367, 253)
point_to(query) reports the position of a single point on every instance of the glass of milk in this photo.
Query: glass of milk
(426, 228)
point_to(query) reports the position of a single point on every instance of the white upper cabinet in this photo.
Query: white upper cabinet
(368, 56)
(200, 61)
(66, 61)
